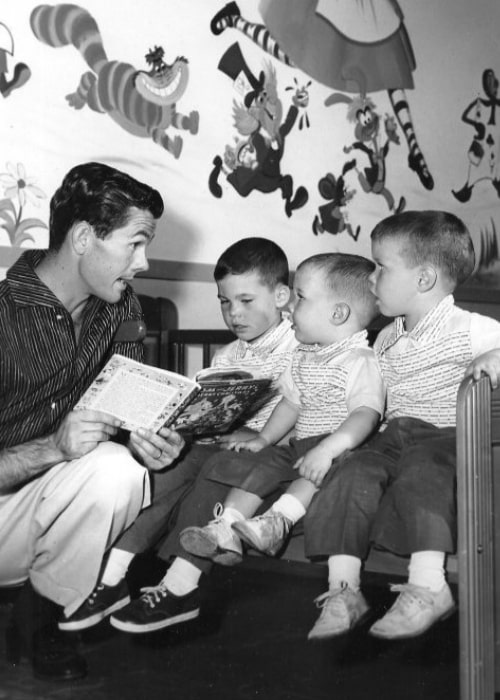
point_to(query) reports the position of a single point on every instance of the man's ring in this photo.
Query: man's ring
(160, 452)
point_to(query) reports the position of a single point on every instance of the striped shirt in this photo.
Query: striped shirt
(43, 370)
(269, 355)
(328, 382)
(423, 369)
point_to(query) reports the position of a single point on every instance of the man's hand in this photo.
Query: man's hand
(315, 464)
(81, 431)
(489, 363)
(156, 450)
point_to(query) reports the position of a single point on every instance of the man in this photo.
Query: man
(70, 481)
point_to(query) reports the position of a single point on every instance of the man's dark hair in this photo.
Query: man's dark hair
(254, 254)
(100, 195)
(435, 237)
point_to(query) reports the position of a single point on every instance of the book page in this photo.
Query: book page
(138, 395)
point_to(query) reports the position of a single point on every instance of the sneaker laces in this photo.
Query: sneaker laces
(152, 595)
(219, 520)
(92, 597)
(332, 596)
(409, 594)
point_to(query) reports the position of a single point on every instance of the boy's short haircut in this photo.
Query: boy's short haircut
(254, 254)
(435, 237)
(348, 277)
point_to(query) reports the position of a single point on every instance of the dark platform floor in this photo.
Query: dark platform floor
(250, 644)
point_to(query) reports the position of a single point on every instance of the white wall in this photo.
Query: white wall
(453, 41)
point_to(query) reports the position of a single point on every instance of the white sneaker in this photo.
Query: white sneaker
(216, 541)
(415, 610)
(342, 609)
(266, 533)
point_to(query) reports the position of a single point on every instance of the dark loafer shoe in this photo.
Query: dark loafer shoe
(55, 657)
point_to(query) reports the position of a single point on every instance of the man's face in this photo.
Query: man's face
(110, 263)
(249, 307)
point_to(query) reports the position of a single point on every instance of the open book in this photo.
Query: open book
(142, 396)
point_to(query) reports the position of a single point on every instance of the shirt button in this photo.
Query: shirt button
(59, 317)
(53, 406)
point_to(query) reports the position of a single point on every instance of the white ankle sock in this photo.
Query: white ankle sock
(290, 507)
(344, 569)
(231, 515)
(116, 566)
(182, 577)
(427, 569)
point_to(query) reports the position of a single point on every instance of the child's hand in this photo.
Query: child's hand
(314, 465)
(240, 435)
(489, 363)
(256, 444)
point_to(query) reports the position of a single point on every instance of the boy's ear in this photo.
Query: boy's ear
(80, 237)
(282, 295)
(341, 313)
(427, 278)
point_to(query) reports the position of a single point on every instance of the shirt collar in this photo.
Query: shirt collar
(427, 328)
(26, 287)
(324, 353)
(268, 342)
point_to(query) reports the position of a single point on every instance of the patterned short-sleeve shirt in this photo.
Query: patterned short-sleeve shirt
(269, 355)
(328, 382)
(423, 368)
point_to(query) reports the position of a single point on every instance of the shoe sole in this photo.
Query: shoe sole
(93, 619)
(201, 546)
(196, 543)
(321, 637)
(135, 628)
(443, 617)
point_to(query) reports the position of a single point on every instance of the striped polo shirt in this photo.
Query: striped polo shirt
(269, 355)
(423, 368)
(328, 382)
(43, 370)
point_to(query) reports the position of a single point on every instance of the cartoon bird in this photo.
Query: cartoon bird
(141, 102)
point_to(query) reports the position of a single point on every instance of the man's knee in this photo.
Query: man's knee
(114, 476)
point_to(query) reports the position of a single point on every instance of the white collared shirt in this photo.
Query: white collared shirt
(423, 368)
(267, 356)
(328, 383)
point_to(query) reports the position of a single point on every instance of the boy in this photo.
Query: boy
(252, 282)
(335, 358)
(398, 491)
(332, 394)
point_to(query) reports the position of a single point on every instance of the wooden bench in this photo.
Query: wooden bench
(476, 566)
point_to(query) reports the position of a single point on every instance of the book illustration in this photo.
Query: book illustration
(220, 404)
(142, 396)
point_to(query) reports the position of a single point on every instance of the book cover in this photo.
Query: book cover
(142, 396)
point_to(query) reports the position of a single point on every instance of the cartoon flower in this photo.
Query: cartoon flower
(17, 186)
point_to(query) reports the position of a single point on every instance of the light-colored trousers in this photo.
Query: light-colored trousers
(56, 529)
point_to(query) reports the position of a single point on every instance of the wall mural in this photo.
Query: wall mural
(303, 120)
(387, 64)
(141, 102)
(253, 163)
